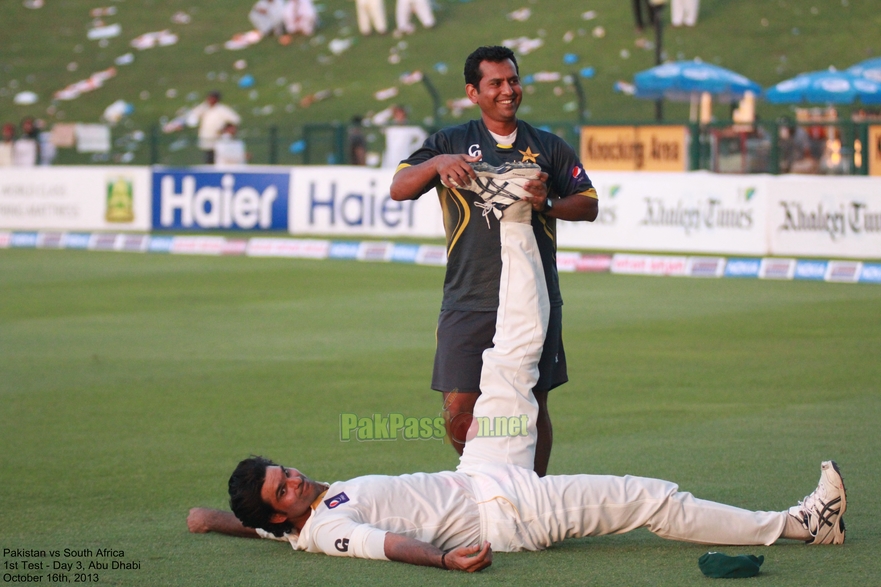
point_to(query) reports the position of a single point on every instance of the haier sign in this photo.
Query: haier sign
(189, 199)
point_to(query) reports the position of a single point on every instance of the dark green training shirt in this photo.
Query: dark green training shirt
(474, 262)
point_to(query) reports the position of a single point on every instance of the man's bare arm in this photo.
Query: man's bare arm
(410, 182)
(575, 207)
(415, 552)
(202, 520)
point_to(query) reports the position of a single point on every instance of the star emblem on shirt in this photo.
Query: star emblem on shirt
(529, 156)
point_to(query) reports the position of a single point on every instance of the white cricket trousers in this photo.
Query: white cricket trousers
(519, 510)
(684, 12)
(371, 14)
(510, 366)
(405, 8)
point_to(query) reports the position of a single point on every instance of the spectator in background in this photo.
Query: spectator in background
(405, 9)
(229, 150)
(300, 17)
(6, 143)
(267, 16)
(401, 138)
(211, 117)
(638, 7)
(357, 142)
(371, 15)
(26, 149)
(684, 12)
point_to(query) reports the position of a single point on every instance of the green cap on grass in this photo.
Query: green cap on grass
(721, 566)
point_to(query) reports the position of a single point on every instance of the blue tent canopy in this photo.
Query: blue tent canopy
(681, 80)
(869, 69)
(825, 87)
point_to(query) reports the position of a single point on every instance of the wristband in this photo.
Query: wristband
(444, 562)
(549, 205)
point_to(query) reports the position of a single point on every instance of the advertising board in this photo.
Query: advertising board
(209, 199)
(634, 148)
(75, 198)
(825, 217)
(688, 212)
(355, 201)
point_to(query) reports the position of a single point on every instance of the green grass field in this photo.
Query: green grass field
(45, 50)
(130, 385)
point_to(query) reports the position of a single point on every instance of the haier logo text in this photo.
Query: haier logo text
(237, 201)
(351, 205)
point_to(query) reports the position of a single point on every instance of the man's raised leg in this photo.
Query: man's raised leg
(503, 430)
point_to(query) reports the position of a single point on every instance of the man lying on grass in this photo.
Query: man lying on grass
(437, 519)
(494, 499)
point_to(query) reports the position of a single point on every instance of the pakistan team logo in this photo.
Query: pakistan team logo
(120, 200)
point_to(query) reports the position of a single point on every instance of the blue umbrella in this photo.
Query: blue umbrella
(682, 80)
(869, 69)
(825, 87)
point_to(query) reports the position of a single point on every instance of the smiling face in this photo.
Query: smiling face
(290, 494)
(498, 95)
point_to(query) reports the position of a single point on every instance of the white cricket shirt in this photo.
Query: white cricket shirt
(354, 516)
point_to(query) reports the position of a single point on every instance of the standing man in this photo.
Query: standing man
(267, 16)
(401, 138)
(371, 15)
(211, 117)
(684, 12)
(405, 8)
(640, 7)
(563, 191)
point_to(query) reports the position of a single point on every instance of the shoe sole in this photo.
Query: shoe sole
(515, 169)
(838, 532)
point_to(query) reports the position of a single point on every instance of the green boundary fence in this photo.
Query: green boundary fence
(839, 148)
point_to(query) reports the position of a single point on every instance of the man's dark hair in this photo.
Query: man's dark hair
(496, 54)
(245, 485)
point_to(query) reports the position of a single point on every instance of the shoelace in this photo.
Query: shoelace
(487, 208)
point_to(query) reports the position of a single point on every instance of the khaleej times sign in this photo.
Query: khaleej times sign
(674, 212)
(820, 216)
(195, 199)
(356, 201)
(75, 198)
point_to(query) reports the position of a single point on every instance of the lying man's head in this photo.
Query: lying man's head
(265, 495)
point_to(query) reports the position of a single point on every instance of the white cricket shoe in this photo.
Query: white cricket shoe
(821, 513)
(501, 186)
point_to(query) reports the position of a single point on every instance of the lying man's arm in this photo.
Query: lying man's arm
(202, 520)
(415, 552)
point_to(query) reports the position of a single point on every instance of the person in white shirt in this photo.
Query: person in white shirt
(229, 150)
(267, 16)
(494, 500)
(300, 17)
(401, 138)
(6, 143)
(211, 117)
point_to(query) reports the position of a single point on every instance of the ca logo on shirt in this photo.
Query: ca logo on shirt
(342, 545)
(474, 150)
